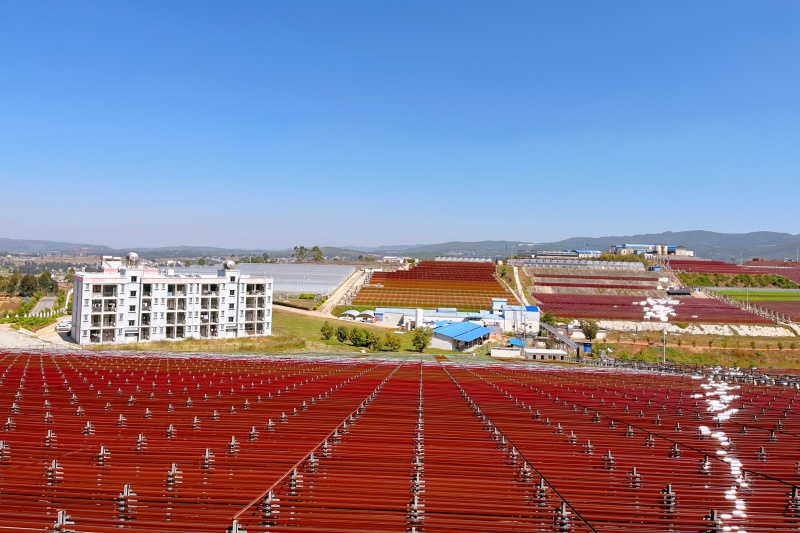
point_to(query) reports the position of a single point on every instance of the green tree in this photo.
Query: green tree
(589, 329)
(300, 253)
(188, 262)
(548, 318)
(326, 330)
(201, 261)
(265, 257)
(753, 345)
(421, 338)
(392, 342)
(342, 333)
(358, 337)
(70, 275)
(375, 342)
(46, 283)
(316, 254)
(12, 284)
(28, 285)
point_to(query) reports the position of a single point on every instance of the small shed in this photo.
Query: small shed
(506, 352)
(350, 314)
(366, 316)
(545, 354)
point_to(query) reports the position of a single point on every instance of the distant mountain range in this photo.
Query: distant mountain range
(707, 244)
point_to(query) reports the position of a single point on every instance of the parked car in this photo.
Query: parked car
(64, 327)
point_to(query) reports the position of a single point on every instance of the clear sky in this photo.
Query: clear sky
(268, 124)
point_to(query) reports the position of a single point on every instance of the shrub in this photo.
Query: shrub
(307, 296)
(342, 333)
(421, 338)
(392, 342)
(358, 337)
(376, 343)
(326, 331)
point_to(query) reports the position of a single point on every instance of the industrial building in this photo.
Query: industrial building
(651, 249)
(127, 303)
(501, 318)
(459, 335)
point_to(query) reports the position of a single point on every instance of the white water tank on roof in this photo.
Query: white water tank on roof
(418, 318)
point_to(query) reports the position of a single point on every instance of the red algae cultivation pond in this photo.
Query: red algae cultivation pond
(196, 443)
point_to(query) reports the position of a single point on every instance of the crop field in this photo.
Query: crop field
(566, 281)
(784, 302)
(144, 443)
(608, 295)
(697, 310)
(791, 271)
(434, 284)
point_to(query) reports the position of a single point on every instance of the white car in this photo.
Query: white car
(64, 327)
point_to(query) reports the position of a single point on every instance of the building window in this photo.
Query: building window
(133, 279)
(230, 306)
(86, 302)
(230, 319)
(132, 308)
(233, 279)
(133, 294)
(131, 322)
(232, 293)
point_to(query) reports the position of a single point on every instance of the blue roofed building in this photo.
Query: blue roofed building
(459, 336)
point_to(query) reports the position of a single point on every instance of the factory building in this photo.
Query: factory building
(651, 249)
(127, 303)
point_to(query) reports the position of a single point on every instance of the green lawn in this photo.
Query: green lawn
(307, 328)
(291, 333)
(762, 296)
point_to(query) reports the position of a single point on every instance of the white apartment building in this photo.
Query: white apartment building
(126, 303)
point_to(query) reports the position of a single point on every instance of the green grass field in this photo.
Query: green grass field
(760, 296)
(291, 333)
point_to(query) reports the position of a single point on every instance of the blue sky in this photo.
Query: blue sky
(268, 124)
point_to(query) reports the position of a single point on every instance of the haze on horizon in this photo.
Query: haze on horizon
(266, 124)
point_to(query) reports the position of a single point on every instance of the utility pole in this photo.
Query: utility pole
(665, 346)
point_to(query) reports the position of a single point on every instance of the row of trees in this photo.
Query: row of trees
(301, 254)
(361, 337)
(28, 285)
(364, 338)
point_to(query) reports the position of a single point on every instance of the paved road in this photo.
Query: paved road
(44, 303)
(522, 295)
(10, 338)
(334, 299)
(49, 334)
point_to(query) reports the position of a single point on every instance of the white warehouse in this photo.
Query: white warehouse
(126, 303)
